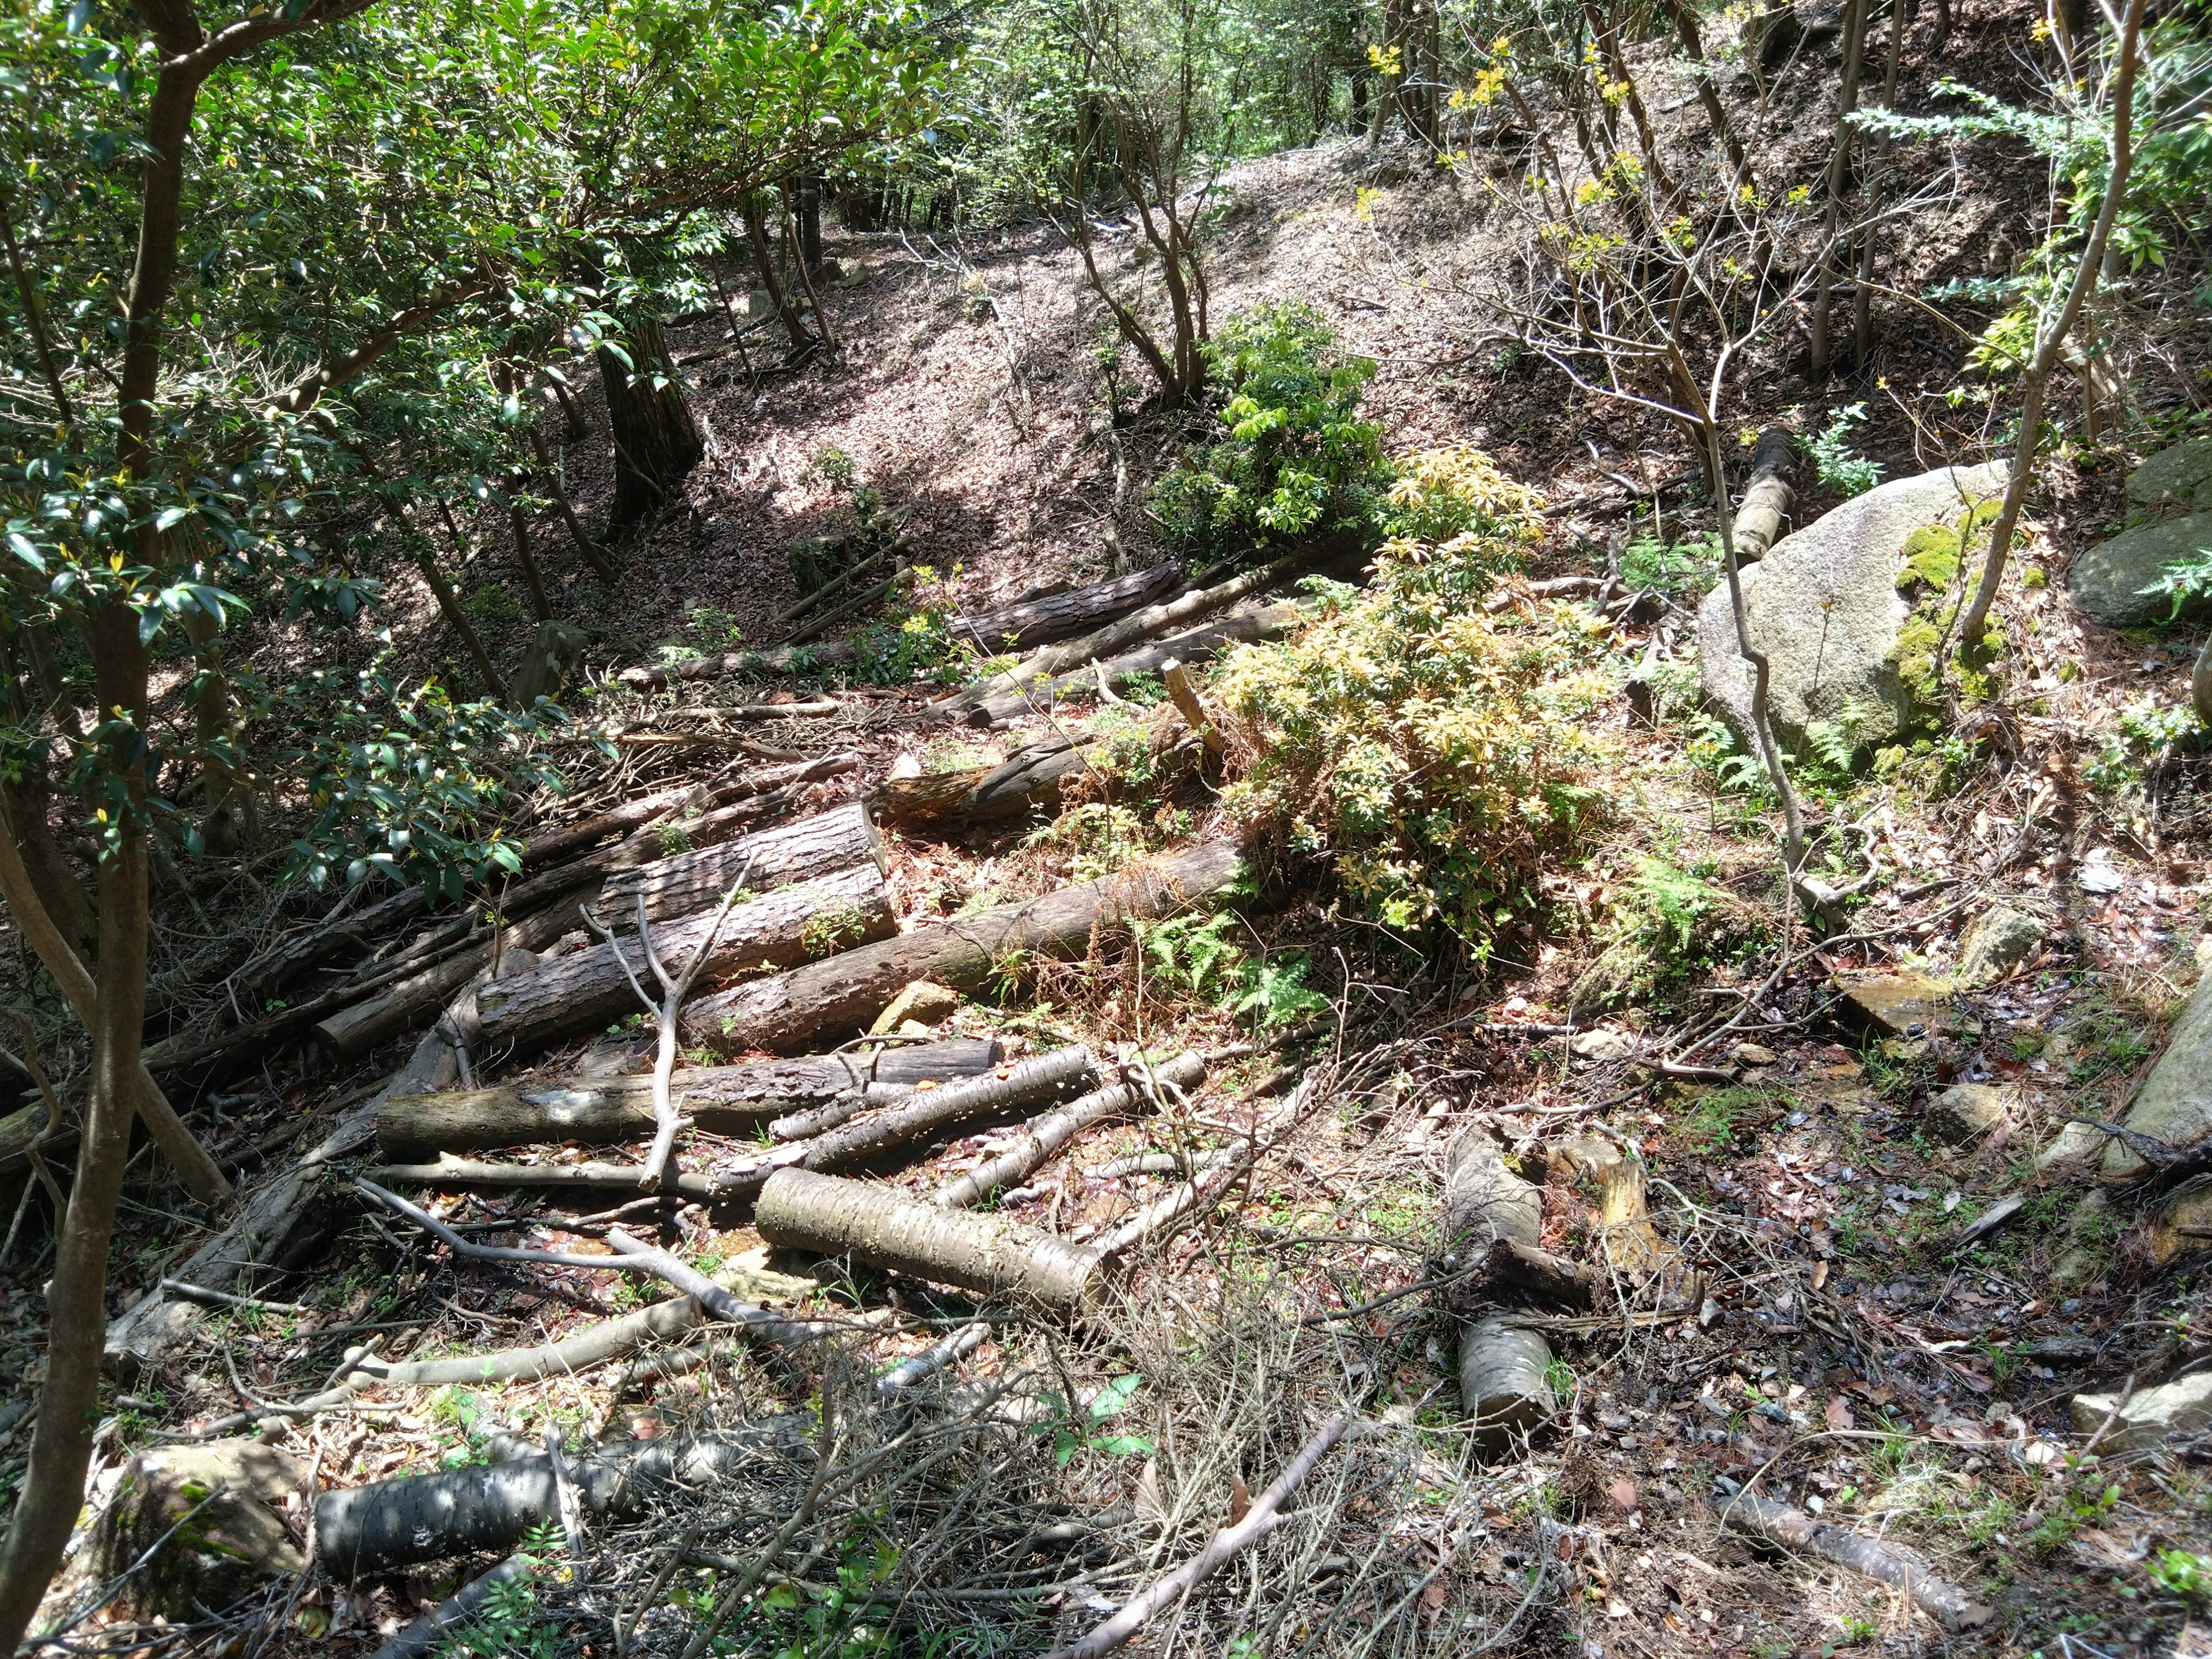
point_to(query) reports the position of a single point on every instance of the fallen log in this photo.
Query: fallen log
(925, 1111)
(450, 1171)
(1046, 1135)
(1901, 1569)
(1504, 1371)
(1071, 611)
(587, 988)
(1768, 496)
(678, 885)
(1245, 626)
(843, 994)
(387, 1525)
(426, 1633)
(1232, 1540)
(351, 1031)
(1028, 780)
(1119, 636)
(988, 1255)
(724, 1098)
(1510, 1264)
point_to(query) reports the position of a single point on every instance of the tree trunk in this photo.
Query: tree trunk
(988, 1255)
(533, 578)
(458, 619)
(777, 295)
(55, 883)
(807, 201)
(726, 1099)
(846, 992)
(656, 440)
(587, 988)
(225, 802)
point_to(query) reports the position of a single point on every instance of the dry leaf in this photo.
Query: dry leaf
(1433, 1598)
(1838, 1413)
(1149, 1507)
(1622, 1491)
(1819, 1274)
(1240, 1499)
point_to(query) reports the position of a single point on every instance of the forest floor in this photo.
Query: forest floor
(1855, 1349)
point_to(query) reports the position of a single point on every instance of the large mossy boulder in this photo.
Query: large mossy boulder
(2174, 1104)
(1824, 605)
(2116, 582)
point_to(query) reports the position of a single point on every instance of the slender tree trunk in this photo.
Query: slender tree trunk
(656, 439)
(594, 555)
(533, 578)
(579, 425)
(224, 804)
(1693, 48)
(764, 258)
(76, 1298)
(425, 561)
(1839, 166)
(25, 800)
(2053, 336)
(807, 203)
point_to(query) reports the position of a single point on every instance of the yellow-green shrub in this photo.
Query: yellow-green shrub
(1408, 735)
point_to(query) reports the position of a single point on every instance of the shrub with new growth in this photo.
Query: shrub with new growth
(1297, 462)
(1408, 736)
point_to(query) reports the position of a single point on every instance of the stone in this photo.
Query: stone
(1905, 1005)
(1965, 1112)
(1752, 1053)
(1823, 606)
(2116, 582)
(2183, 1221)
(2174, 1104)
(1996, 942)
(2077, 1143)
(922, 1001)
(2148, 1418)
(2089, 1234)
(905, 766)
(2180, 475)
(553, 655)
(230, 1548)
(1601, 1045)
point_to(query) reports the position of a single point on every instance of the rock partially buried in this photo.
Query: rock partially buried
(2183, 1221)
(923, 1001)
(2146, 1421)
(2179, 477)
(1998, 941)
(1823, 606)
(228, 1495)
(2116, 582)
(1965, 1112)
(2175, 1103)
(1898, 1005)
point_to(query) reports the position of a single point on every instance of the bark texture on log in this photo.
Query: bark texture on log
(449, 1171)
(1063, 1071)
(1245, 626)
(421, 1637)
(842, 995)
(427, 1517)
(1073, 610)
(1046, 1135)
(1893, 1565)
(695, 879)
(1504, 1380)
(732, 1098)
(988, 1255)
(1768, 497)
(656, 439)
(1028, 780)
(352, 1032)
(586, 988)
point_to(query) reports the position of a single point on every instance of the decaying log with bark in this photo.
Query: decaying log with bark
(420, 1638)
(586, 988)
(925, 1112)
(1071, 611)
(351, 1032)
(1768, 497)
(1504, 1380)
(1028, 780)
(685, 881)
(386, 1524)
(1247, 625)
(1901, 1569)
(842, 995)
(730, 1099)
(1043, 1136)
(989, 1255)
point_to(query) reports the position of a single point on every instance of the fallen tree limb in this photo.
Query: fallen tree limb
(1244, 626)
(923, 1367)
(841, 838)
(844, 993)
(1220, 1171)
(1071, 611)
(449, 1171)
(989, 1255)
(722, 1098)
(612, 1339)
(1788, 1528)
(1028, 778)
(1119, 636)
(426, 1633)
(1769, 495)
(929, 1110)
(1264, 1516)
(586, 989)
(387, 1525)
(1046, 1135)
(1505, 1370)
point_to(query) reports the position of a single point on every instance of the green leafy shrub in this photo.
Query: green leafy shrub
(1839, 465)
(1297, 461)
(1690, 566)
(1668, 924)
(1409, 737)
